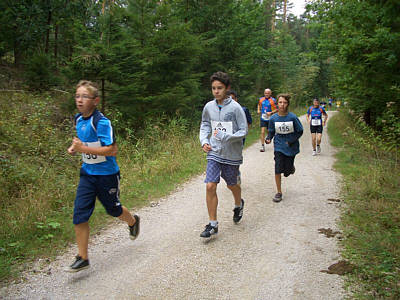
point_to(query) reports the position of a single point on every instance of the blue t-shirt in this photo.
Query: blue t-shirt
(96, 136)
(286, 131)
(248, 115)
(266, 107)
(316, 114)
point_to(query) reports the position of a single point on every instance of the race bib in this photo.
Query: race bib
(265, 117)
(223, 126)
(284, 127)
(316, 122)
(93, 158)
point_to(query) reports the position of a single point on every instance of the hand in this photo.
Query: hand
(269, 113)
(324, 123)
(215, 132)
(267, 141)
(71, 150)
(77, 144)
(206, 148)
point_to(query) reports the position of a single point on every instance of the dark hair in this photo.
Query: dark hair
(315, 99)
(222, 77)
(232, 92)
(286, 96)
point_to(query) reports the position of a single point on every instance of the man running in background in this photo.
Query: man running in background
(266, 108)
(314, 118)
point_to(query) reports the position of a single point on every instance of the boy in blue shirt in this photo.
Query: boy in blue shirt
(99, 175)
(286, 129)
(314, 118)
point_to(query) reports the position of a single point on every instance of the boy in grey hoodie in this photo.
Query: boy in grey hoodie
(223, 127)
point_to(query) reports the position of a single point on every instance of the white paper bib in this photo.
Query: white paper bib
(265, 117)
(223, 126)
(93, 158)
(284, 127)
(316, 122)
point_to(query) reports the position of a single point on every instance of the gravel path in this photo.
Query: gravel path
(276, 252)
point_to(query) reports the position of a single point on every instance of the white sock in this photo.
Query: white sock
(214, 223)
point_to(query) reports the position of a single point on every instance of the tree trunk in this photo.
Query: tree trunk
(55, 43)
(46, 48)
(273, 15)
(284, 10)
(103, 97)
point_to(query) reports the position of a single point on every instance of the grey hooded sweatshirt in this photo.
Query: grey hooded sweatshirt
(230, 121)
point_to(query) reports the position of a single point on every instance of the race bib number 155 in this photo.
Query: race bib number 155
(284, 127)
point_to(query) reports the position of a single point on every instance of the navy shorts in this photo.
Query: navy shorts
(215, 170)
(316, 129)
(104, 187)
(264, 123)
(283, 164)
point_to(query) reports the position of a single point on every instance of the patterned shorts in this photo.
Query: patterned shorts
(215, 170)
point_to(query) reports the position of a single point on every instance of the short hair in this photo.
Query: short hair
(222, 77)
(285, 96)
(315, 99)
(232, 92)
(90, 86)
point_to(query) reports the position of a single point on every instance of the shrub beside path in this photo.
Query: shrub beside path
(276, 252)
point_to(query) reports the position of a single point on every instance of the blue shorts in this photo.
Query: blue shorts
(215, 170)
(104, 187)
(264, 123)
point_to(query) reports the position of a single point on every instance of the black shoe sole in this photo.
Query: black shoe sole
(137, 218)
(70, 270)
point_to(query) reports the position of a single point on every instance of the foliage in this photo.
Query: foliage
(370, 218)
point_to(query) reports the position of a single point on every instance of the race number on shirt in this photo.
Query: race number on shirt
(265, 117)
(284, 127)
(316, 122)
(223, 126)
(93, 158)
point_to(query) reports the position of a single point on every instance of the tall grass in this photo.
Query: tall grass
(371, 212)
(39, 179)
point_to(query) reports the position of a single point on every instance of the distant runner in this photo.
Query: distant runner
(223, 128)
(286, 129)
(266, 108)
(314, 118)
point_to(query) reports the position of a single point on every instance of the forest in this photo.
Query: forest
(152, 61)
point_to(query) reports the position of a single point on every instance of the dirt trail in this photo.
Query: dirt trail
(276, 252)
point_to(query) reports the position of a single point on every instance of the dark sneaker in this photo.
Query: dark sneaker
(135, 229)
(277, 197)
(238, 212)
(78, 265)
(209, 231)
(318, 149)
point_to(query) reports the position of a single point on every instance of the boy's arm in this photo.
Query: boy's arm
(78, 146)
(205, 128)
(238, 135)
(271, 131)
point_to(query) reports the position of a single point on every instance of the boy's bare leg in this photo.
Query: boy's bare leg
(278, 180)
(212, 200)
(82, 239)
(237, 193)
(262, 135)
(127, 216)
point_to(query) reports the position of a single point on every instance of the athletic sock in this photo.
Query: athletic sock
(214, 223)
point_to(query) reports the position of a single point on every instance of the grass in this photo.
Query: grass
(40, 178)
(371, 213)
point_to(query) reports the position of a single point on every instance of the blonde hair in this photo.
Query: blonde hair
(90, 86)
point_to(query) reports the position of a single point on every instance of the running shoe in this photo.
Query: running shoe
(318, 149)
(78, 265)
(135, 229)
(262, 149)
(314, 153)
(238, 212)
(277, 197)
(209, 231)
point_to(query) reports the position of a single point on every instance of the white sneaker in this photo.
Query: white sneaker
(318, 149)
(314, 153)
(262, 149)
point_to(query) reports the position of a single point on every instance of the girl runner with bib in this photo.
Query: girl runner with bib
(286, 129)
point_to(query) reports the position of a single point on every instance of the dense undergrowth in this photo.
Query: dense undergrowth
(38, 178)
(369, 162)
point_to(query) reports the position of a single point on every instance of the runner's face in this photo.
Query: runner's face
(219, 90)
(316, 103)
(85, 102)
(267, 93)
(282, 104)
